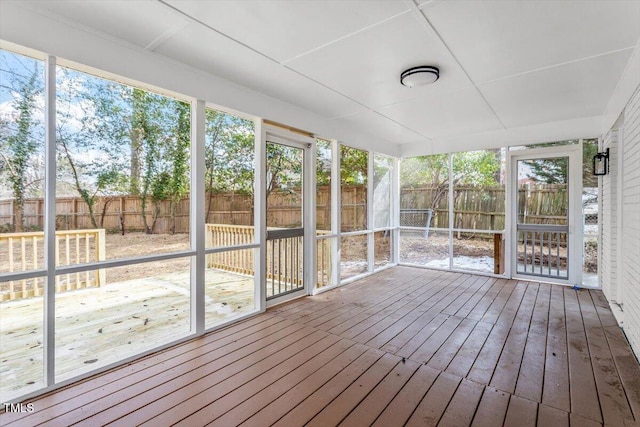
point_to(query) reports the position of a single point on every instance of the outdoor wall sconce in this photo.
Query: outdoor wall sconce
(601, 163)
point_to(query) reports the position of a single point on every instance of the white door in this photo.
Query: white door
(544, 214)
(290, 219)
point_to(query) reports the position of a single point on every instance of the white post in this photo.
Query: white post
(335, 212)
(309, 221)
(510, 239)
(260, 215)
(395, 211)
(50, 221)
(369, 211)
(451, 211)
(197, 219)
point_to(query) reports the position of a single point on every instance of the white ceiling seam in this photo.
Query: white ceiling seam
(391, 18)
(166, 36)
(423, 17)
(246, 46)
(99, 51)
(548, 67)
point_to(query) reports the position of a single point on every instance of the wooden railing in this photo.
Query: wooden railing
(25, 251)
(242, 260)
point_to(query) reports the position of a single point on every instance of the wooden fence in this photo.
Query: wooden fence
(474, 208)
(25, 251)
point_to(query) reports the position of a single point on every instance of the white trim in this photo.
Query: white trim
(260, 218)
(451, 210)
(395, 212)
(197, 216)
(336, 215)
(287, 297)
(49, 338)
(574, 263)
(219, 249)
(68, 269)
(276, 135)
(309, 212)
(369, 210)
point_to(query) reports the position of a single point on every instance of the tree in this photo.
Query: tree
(91, 132)
(473, 168)
(229, 153)
(178, 154)
(354, 166)
(555, 170)
(24, 132)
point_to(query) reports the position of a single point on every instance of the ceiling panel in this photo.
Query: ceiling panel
(494, 39)
(372, 123)
(451, 113)
(367, 65)
(204, 49)
(285, 29)
(139, 22)
(578, 89)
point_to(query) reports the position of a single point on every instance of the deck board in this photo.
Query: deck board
(407, 346)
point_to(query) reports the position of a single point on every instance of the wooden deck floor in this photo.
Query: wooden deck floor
(404, 347)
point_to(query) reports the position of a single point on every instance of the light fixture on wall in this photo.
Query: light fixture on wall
(601, 163)
(419, 76)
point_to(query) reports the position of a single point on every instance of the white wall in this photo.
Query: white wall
(621, 219)
(629, 274)
(608, 267)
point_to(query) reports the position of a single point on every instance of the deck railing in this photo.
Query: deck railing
(25, 251)
(242, 260)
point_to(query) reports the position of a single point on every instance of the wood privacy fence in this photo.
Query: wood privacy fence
(25, 251)
(479, 208)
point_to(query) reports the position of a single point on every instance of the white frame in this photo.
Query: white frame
(308, 146)
(574, 263)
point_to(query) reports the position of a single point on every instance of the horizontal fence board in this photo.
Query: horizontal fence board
(474, 208)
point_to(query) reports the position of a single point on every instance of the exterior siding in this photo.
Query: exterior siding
(630, 227)
(608, 218)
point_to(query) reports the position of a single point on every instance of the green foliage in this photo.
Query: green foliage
(21, 136)
(474, 168)
(353, 166)
(323, 162)
(229, 153)
(423, 171)
(477, 168)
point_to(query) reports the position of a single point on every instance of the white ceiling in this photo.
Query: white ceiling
(506, 66)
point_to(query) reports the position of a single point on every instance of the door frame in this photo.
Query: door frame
(308, 146)
(574, 216)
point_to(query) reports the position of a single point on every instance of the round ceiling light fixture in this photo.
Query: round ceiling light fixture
(419, 76)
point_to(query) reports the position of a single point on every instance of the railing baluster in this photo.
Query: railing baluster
(286, 264)
(23, 263)
(558, 254)
(524, 246)
(279, 266)
(36, 288)
(273, 266)
(549, 254)
(78, 286)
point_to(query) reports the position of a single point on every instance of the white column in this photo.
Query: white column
(451, 213)
(395, 211)
(369, 208)
(50, 220)
(259, 214)
(335, 212)
(197, 219)
(309, 222)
